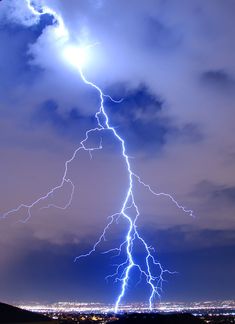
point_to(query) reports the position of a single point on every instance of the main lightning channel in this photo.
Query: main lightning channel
(132, 235)
(150, 268)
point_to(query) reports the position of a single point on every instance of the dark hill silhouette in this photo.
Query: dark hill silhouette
(160, 319)
(11, 314)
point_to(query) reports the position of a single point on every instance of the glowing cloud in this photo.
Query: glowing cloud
(76, 56)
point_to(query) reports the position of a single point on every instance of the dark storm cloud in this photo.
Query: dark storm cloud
(137, 118)
(140, 120)
(14, 47)
(218, 193)
(70, 123)
(187, 238)
(218, 79)
(225, 193)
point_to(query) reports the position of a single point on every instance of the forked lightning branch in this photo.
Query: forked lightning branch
(149, 267)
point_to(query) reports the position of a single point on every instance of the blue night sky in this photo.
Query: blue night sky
(173, 64)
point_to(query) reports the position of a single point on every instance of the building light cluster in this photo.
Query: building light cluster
(198, 308)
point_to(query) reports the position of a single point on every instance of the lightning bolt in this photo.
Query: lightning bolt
(150, 268)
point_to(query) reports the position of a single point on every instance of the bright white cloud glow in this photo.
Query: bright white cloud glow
(77, 56)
